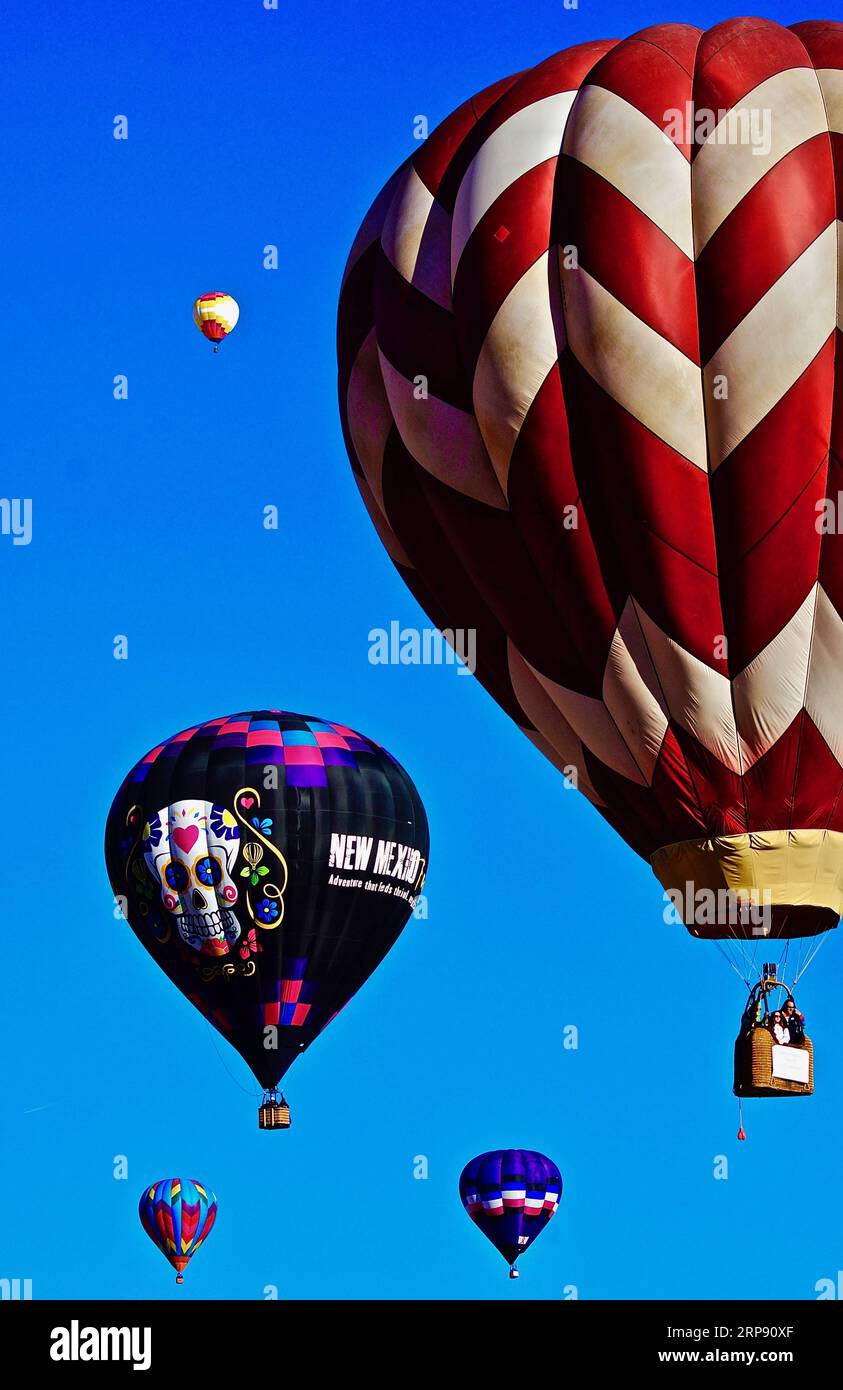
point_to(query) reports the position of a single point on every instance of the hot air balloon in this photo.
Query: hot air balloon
(511, 1194)
(215, 315)
(589, 376)
(267, 862)
(177, 1214)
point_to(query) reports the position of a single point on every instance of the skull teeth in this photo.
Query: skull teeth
(204, 924)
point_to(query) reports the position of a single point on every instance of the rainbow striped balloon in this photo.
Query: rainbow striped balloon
(177, 1214)
(215, 315)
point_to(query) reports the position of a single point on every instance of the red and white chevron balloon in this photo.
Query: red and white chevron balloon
(590, 380)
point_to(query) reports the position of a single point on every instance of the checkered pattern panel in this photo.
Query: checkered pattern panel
(288, 1001)
(302, 746)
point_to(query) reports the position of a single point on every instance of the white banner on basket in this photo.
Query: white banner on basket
(791, 1063)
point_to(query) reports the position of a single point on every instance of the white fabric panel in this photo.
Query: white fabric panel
(824, 698)
(770, 691)
(699, 698)
(725, 169)
(631, 694)
(612, 343)
(369, 415)
(523, 343)
(555, 738)
(785, 330)
(831, 86)
(444, 440)
(370, 228)
(416, 239)
(619, 142)
(594, 726)
(527, 139)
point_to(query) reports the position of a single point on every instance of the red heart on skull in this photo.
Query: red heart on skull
(185, 837)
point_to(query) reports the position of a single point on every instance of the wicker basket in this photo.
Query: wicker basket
(754, 1067)
(274, 1114)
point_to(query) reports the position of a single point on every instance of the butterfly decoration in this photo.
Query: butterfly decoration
(250, 945)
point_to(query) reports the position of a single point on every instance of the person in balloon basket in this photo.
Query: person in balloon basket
(779, 1029)
(751, 1017)
(794, 1022)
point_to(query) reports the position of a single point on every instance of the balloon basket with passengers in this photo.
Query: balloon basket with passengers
(773, 1055)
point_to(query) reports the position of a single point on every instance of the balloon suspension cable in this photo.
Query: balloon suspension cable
(803, 951)
(800, 971)
(731, 964)
(748, 953)
(247, 1090)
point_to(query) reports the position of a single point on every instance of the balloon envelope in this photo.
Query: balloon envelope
(215, 315)
(621, 468)
(268, 861)
(177, 1214)
(511, 1194)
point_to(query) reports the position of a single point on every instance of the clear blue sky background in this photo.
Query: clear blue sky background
(248, 127)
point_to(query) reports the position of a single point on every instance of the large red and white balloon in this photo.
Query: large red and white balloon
(590, 380)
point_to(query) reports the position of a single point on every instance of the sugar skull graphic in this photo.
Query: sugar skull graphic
(191, 847)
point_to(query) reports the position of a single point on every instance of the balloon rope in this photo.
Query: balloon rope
(748, 958)
(805, 948)
(731, 963)
(231, 1075)
(820, 942)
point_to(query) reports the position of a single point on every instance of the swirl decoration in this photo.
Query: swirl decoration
(227, 971)
(253, 854)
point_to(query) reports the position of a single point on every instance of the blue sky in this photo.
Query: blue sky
(248, 128)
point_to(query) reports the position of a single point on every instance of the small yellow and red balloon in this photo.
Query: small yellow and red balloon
(215, 315)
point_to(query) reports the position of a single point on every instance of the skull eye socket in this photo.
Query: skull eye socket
(208, 871)
(176, 876)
